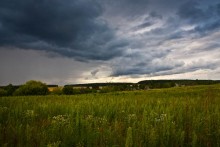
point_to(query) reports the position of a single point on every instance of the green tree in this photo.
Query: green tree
(3, 92)
(32, 88)
(68, 90)
(10, 89)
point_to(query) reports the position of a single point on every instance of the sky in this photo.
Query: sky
(85, 41)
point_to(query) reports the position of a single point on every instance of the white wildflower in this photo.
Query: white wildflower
(132, 118)
(61, 119)
(161, 117)
(30, 114)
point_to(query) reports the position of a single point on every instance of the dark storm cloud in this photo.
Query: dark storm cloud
(208, 27)
(139, 63)
(69, 28)
(126, 8)
(171, 23)
(191, 12)
(146, 68)
(157, 68)
(172, 28)
(206, 19)
(205, 15)
(155, 14)
(132, 37)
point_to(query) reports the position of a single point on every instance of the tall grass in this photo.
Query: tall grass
(186, 116)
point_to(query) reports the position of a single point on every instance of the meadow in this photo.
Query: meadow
(180, 116)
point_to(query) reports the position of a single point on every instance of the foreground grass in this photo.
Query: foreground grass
(186, 116)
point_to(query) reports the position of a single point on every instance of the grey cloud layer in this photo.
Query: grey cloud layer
(176, 23)
(69, 28)
(143, 37)
(206, 19)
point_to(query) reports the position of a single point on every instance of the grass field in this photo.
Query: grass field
(182, 116)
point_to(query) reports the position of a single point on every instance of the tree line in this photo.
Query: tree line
(29, 88)
(38, 88)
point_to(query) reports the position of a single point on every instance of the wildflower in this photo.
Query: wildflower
(163, 115)
(157, 119)
(160, 117)
(89, 117)
(101, 120)
(60, 119)
(30, 114)
(132, 116)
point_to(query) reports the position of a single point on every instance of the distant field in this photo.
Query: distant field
(54, 88)
(182, 116)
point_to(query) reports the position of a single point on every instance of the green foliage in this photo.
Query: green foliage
(181, 116)
(10, 89)
(86, 90)
(129, 139)
(171, 83)
(68, 90)
(32, 88)
(3, 92)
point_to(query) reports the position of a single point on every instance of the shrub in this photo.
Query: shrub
(3, 92)
(68, 90)
(10, 89)
(32, 88)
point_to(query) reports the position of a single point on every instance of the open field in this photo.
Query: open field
(182, 116)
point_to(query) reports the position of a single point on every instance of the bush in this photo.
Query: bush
(3, 92)
(32, 88)
(10, 89)
(68, 90)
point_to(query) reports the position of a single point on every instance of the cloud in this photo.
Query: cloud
(170, 37)
(19, 66)
(157, 65)
(130, 9)
(143, 25)
(162, 67)
(192, 12)
(112, 39)
(190, 67)
(94, 72)
(69, 28)
(206, 18)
